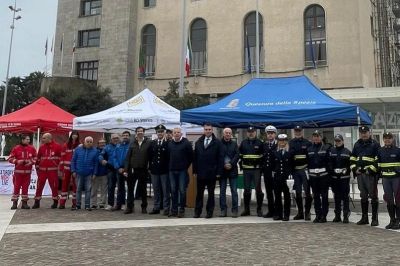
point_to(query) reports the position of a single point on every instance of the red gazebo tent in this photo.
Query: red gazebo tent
(39, 116)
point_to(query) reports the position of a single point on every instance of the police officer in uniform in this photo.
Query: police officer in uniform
(269, 149)
(339, 168)
(389, 168)
(317, 158)
(251, 155)
(363, 165)
(298, 147)
(283, 167)
(158, 160)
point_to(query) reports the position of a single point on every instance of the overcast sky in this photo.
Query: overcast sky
(38, 23)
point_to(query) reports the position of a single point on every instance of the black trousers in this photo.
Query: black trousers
(269, 188)
(201, 186)
(320, 188)
(139, 175)
(280, 187)
(341, 191)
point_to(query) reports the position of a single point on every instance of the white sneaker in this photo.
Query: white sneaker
(108, 208)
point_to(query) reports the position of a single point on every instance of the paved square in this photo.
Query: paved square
(62, 237)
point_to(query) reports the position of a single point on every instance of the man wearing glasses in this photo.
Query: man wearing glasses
(83, 168)
(99, 181)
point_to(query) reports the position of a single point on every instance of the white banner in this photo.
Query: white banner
(7, 186)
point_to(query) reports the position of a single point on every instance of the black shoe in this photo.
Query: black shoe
(61, 207)
(245, 213)
(88, 209)
(54, 205)
(101, 206)
(94, 207)
(299, 216)
(235, 214)
(259, 213)
(116, 208)
(285, 218)
(78, 207)
(25, 205)
(181, 214)
(316, 220)
(337, 219)
(154, 212)
(15, 205)
(277, 218)
(128, 211)
(166, 212)
(36, 205)
(268, 215)
(209, 215)
(364, 220)
(223, 213)
(322, 219)
(73, 208)
(144, 211)
(374, 222)
(172, 214)
(307, 216)
(196, 215)
(345, 218)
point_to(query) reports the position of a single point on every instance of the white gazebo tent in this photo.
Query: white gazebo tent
(145, 110)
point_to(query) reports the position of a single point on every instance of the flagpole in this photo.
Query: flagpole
(73, 58)
(45, 53)
(257, 43)
(62, 54)
(183, 50)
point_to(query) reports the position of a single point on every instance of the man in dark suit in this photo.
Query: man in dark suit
(207, 166)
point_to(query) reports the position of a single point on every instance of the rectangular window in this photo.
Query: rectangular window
(89, 38)
(87, 70)
(90, 7)
(315, 53)
(149, 3)
(251, 66)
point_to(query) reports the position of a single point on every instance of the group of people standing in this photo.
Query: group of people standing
(315, 166)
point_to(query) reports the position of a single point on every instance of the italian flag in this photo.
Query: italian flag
(187, 59)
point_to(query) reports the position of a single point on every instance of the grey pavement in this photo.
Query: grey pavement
(63, 237)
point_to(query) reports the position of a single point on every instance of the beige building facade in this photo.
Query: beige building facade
(348, 42)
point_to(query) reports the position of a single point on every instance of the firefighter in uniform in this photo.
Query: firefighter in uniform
(251, 156)
(363, 165)
(339, 168)
(48, 159)
(317, 158)
(298, 148)
(283, 168)
(389, 168)
(269, 149)
(66, 157)
(24, 157)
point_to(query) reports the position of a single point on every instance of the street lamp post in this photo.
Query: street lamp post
(14, 9)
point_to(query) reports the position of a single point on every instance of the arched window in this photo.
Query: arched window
(198, 43)
(314, 36)
(148, 51)
(250, 42)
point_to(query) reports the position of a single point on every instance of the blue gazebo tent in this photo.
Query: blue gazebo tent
(283, 102)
